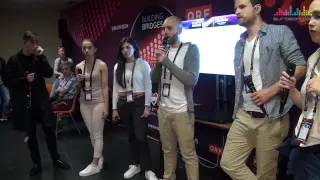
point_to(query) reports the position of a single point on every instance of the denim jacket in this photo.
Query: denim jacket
(278, 47)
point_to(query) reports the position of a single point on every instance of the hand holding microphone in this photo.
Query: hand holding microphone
(287, 82)
(30, 77)
(161, 52)
(80, 76)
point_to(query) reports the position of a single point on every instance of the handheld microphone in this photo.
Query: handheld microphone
(285, 92)
(165, 43)
(79, 71)
(29, 90)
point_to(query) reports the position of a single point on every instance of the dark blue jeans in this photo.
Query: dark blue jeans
(5, 99)
(307, 166)
(55, 86)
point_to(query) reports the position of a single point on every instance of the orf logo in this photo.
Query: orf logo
(154, 98)
(199, 12)
(215, 150)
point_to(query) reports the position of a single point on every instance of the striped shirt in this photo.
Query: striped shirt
(69, 83)
(277, 47)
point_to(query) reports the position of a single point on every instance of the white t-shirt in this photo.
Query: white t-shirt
(177, 101)
(248, 105)
(314, 136)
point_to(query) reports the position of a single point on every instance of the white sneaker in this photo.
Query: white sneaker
(89, 170)
(150, 175)
(101, 162)
(133, 170)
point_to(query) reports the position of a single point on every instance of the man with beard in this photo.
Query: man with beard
(24, 75)
(177, 73)
(261, 54)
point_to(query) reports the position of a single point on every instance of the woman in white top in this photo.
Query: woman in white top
(57, 70)
(131, 103)
(307, 131)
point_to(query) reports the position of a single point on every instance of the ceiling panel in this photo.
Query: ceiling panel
(37, 4)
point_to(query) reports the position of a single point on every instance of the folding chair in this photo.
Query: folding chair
(68, 113)
(49, 87)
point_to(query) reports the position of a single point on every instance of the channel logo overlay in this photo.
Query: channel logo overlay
(290, 13)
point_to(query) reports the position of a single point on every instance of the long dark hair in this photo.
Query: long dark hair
(122, 60)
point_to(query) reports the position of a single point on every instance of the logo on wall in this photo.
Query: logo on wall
(154, 98)
(199, 12)
(285, 11)
(146, 31)
(119, 27)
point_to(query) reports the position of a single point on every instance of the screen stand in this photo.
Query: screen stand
(217, 92)
(223, 81)
(225, 92)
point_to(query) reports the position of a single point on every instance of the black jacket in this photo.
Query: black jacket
(14, 77)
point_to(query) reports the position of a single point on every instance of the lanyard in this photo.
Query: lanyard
(306, 98)
(124, 74)
(94, 62)
(252, 55)
(165, 69)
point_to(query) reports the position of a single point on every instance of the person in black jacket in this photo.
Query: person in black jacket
(24, 74)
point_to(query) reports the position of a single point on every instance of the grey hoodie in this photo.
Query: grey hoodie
(188, 76)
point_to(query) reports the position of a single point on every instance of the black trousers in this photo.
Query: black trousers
(307, 165)
(136, 128)
(38, 117)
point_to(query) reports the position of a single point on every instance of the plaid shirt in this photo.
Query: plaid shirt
(278, 47)
(69, 83)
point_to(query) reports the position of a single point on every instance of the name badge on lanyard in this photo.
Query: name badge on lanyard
(306, 124)
(167, 85)
(165, 89)
(88, 93)
(304, 130)
(88, 90)
(129, 92)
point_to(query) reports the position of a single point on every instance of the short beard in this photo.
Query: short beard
(249, 22)
(174, 39)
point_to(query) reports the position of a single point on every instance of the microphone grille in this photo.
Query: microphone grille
(165, 41)
(291, 69)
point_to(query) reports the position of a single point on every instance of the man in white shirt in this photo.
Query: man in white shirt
(261, 54)
(177, 73)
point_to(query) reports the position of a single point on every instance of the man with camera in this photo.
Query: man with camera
(261, 54)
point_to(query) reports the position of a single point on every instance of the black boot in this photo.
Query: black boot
(35, 170)
(61, 164)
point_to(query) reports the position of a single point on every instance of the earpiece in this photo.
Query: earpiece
(257, 7)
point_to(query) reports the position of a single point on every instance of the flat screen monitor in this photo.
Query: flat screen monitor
(216, 38)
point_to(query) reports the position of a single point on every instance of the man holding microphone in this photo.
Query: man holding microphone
(24, 75)
(177, 73)
(261, 54)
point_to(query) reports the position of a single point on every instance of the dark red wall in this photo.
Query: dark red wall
(95, 18)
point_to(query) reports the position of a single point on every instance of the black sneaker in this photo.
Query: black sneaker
(61, 164)
(35, 170)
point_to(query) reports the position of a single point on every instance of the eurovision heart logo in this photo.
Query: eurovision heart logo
(154, 98)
